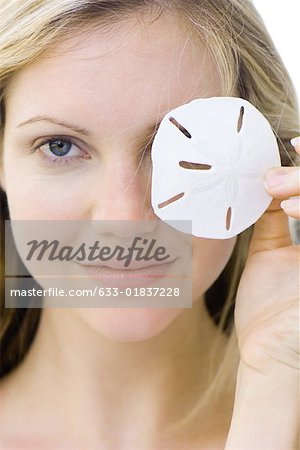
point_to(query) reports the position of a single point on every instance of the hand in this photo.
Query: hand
(267, 306)
(267, 323)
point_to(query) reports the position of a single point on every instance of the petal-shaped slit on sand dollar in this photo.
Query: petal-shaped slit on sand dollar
(209, 157)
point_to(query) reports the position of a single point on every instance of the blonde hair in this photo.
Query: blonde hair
(248, 65)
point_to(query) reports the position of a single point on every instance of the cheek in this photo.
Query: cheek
(34, 198)
(210, 256)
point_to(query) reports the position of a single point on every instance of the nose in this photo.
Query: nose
(123, 195)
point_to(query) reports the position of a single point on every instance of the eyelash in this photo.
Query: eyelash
(67, 160)
(59, 160)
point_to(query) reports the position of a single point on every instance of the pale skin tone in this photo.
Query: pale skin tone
(121, 379)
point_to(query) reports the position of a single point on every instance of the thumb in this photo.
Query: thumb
(271, 231)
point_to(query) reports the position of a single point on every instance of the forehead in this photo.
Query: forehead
(132, 73)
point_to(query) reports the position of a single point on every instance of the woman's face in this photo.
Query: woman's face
(104, 93)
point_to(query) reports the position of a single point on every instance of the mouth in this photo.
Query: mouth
(111, 276)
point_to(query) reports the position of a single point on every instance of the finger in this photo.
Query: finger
(271, 231)
(291, 207)
(296, 143)
(282, 182)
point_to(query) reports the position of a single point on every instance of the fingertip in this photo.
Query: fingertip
(291, 207)
(295, 141)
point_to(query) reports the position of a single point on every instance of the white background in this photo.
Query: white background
(282, 19)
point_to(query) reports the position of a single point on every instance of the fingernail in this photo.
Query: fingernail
(295, 141)
(272, 181)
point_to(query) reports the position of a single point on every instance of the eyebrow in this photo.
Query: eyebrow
(61, 123)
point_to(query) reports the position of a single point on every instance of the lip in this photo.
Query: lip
(133, 265)
(143, 276)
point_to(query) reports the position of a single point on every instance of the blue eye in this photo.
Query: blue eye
(60, 150)
(59, 147)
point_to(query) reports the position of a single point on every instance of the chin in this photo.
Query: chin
(129, 324)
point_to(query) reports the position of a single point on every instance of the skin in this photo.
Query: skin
(85, 86)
